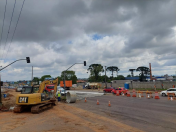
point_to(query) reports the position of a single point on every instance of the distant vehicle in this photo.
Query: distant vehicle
(170, 90)
(63, 92)
(108, 90)
(124, 90)
(68, 84)
(49, 87)
(49, 78)
(19, 89)
(11, 87)
(92, 85)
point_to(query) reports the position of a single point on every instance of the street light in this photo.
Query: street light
(27, 60)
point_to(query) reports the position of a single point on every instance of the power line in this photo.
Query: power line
(3, 25)
(9, 27)
(15, 27)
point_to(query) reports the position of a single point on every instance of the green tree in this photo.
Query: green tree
(59, 79)
(144, 72)
(128, 75)
(132, 70)
(69, 75)
(43, 77)
(95, 70)
(112, 69)
(120, 77)
(36, 79)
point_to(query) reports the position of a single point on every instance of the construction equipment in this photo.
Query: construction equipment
(68, 84)
(92, 85)
(37, 101)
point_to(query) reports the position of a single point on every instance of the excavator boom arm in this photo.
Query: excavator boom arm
(48, 82)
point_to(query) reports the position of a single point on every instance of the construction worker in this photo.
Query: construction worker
(59, 98)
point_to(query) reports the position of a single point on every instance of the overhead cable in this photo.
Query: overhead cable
(9, 28)
(15, 28)
(3, 26)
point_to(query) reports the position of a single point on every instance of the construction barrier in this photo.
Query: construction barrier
(123, 93)
(171, 96)
(156, 95)
(140, 94)
(149, 95)
(117, 93)
(134, 93)
(128, 94)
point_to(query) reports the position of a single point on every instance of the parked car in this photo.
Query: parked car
(19, 89)
(63, 92)
(170, 90)
(124, 90)
(108, 90)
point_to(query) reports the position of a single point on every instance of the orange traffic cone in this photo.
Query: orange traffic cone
(156, 95)
(117, 93)
(85, 100)
(109, 104)
(134, 93)
(128, 94)
(97, 102)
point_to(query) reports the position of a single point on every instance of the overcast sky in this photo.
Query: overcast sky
(58, 33)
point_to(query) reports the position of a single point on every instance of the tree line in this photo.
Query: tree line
(95, 71)
(69, 75)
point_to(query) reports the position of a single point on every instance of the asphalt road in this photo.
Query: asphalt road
(150, 115)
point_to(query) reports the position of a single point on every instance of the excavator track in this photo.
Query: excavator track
(19, 108)
(41, 107)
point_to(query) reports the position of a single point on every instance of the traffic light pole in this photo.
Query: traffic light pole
(28, 61)
(11, 64)
(68, 69)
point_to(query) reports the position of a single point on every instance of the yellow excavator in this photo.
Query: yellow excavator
(36, 101)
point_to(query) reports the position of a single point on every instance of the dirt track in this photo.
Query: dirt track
(62, 117)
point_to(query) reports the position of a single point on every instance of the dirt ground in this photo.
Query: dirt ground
(62, 117)
(9, 101)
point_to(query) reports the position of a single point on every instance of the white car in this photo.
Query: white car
(170, 90)
(19, 89)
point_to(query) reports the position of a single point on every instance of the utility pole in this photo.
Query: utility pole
(32, 76)
(105, 77)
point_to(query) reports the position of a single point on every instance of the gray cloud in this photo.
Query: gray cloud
(57, 33)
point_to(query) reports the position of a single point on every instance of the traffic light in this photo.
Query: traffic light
(1, 83)
(84, 63)
(28, 59)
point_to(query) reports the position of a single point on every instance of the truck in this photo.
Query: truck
(92, 85)
(68, 84)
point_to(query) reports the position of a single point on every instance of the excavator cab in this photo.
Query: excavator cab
(27, 90)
